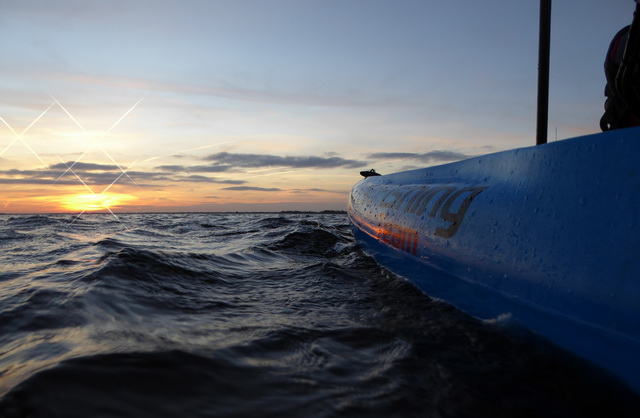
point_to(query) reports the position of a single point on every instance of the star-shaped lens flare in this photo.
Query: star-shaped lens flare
(93, 200)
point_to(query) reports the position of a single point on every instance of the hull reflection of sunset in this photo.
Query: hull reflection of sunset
(94, 201)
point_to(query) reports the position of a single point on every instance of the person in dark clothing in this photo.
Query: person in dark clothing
(622, 71)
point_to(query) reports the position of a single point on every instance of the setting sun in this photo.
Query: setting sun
(94, 201)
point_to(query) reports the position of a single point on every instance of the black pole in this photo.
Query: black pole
(543, 71)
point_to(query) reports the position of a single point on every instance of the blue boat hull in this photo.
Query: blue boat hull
(546, 234)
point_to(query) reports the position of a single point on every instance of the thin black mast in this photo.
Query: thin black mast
(543, 71)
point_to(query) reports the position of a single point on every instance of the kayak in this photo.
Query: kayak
(547, 236)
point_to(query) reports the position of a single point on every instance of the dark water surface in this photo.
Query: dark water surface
(252, 315)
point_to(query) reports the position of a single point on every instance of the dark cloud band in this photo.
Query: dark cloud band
(428, 157)
(252, 188)
(265, 160)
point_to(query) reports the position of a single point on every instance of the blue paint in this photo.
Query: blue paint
(548, 234)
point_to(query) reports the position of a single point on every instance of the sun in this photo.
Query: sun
(94, 201)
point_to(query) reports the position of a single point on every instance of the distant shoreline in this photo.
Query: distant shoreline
(294, 212)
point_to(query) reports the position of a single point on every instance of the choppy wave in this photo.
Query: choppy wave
(206, 315)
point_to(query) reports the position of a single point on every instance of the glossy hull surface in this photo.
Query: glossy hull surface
(548, 235)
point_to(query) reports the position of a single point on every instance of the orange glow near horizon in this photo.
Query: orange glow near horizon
(25, 201)
(94, 201)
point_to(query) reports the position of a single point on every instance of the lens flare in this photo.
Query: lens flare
(94, 202)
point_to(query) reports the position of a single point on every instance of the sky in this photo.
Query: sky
(269, 105)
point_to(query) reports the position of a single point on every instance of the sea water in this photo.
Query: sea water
(254, 315)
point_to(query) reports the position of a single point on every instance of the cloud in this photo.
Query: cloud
(172, 168)
(302, 191)
(61, 177)
(38, 181)
(93, 174)
(275, 189)
(196, 169)
(265, 160)
(225, 88)
(251, 188)
(78, 166)
(428, 157)
(205, 179)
